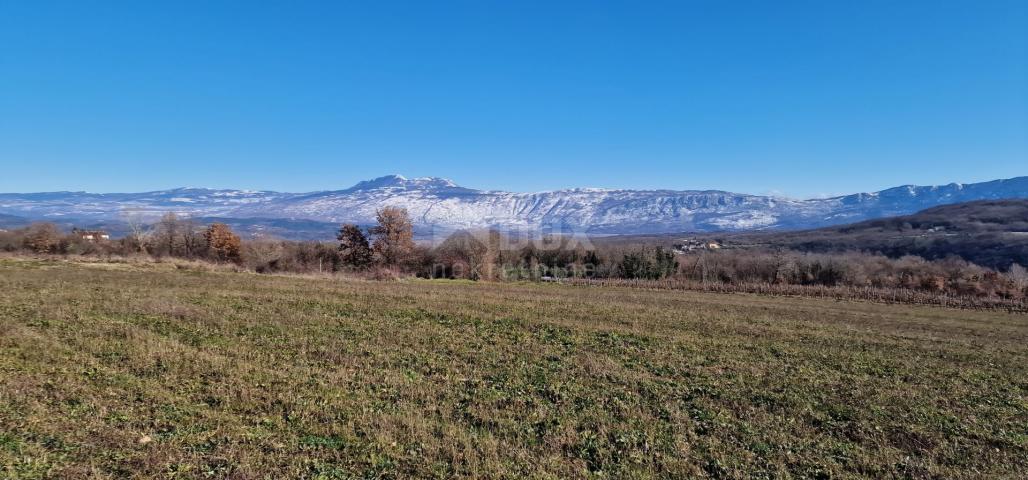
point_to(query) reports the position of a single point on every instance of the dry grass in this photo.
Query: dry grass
(154, 371)
(841, 292)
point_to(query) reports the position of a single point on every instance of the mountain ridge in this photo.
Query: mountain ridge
(441, 204)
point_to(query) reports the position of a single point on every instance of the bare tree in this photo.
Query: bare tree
(461, 256)
(1019, 276)
(139, 231)
(177, 237)
(263, 255)
(165, 237)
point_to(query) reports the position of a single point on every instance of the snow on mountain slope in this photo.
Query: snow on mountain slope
(115, 205)
(441, 204)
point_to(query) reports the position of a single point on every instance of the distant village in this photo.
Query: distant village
(688, 245)
(91, 235)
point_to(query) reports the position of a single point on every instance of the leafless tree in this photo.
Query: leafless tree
(139, 231)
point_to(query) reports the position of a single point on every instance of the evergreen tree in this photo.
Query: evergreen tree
(665, 263)
(354, 249)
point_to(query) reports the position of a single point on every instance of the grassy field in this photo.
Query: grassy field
(148, 371)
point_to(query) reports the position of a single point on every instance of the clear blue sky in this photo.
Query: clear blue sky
(801, 98)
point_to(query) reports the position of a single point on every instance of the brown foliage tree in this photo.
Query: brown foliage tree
(222, 244)
(354, 249)
(394, 236)
(43, 238)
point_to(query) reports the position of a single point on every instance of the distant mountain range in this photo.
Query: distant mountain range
(440, 205)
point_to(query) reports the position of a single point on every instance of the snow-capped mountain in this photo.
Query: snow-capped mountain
(436, 203)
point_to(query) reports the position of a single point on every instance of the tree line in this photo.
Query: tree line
(388, 249)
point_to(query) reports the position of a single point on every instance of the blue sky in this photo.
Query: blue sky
(800, 98)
